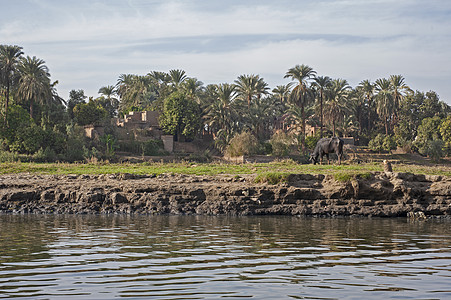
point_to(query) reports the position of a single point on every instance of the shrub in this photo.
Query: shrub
(281, 143)
(376, 144)
(152, 147)
(6, 156)
(382, 142)
(243, 144)
(44, 155)
(434, 149)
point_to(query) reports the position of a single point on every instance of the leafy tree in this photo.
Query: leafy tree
(10, 56)
(89, 113)
(427, 131)
(301, 74)
(180, 116)
(445, 131)
(75, 97)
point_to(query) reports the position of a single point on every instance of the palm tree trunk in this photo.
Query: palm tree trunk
(6, 102)
(321, 114)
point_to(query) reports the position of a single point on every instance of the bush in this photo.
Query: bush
(243, 144)
(281, 143)
(434, 149)
(6, 156)
(152, 147)
(382, 142)
(376, 143)
(46, 155)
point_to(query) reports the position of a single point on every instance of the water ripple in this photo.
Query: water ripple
(186, 257)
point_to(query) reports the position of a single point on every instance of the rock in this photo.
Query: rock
(387, 166)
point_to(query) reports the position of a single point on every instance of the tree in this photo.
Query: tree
(89, 113)
(399, 88)
(10, 57)
(321, 83)
(385, 104)
(177, 77)
(429, 130)
(180, 116)
(301, 74)
(367, 88)
(34, 82)
(75, 97)
(193, 89)
(248, 87)
(337, 96)
(109, 92)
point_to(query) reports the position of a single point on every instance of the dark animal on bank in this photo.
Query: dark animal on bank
(325, 146)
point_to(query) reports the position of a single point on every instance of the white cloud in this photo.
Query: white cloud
(88, 44)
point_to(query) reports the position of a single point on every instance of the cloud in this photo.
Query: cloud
(87, 44)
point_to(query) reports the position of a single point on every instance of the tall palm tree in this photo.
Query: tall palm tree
(384, 101)
(34, 82)
(336, 101)
(221, 114)
(9, 60)
(301, 74)
(367, 88)
(321, 83)
(399, 90)
(247, 87)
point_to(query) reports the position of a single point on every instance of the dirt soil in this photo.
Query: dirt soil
(383, 194)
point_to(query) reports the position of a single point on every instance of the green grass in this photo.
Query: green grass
(277, 169)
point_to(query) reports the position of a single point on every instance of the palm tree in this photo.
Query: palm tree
(9, 60)
(177, 77)
(247, 87)
(34, 82)
(109, 92)
(193, 88)
(384, 98)
(221, 115)
(301, 74)
(367, 88)
(123, 84)
(282, 92)
(399, 88)
(336, 101)
(321, 83)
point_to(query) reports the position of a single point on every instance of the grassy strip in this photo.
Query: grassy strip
(278, 168)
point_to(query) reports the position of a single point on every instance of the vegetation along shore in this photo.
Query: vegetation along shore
(164, 142)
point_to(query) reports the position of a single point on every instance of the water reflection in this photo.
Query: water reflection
(201, 257)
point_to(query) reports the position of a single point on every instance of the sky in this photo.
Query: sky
(87, 44)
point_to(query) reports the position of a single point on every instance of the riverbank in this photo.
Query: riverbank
(378, 194)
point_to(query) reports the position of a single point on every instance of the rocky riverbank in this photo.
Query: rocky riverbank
(384, 194)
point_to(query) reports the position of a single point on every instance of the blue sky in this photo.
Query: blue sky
(87, 44)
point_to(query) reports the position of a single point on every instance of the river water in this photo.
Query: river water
(201, 257)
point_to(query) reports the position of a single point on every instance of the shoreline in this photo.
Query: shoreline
(381, 194)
